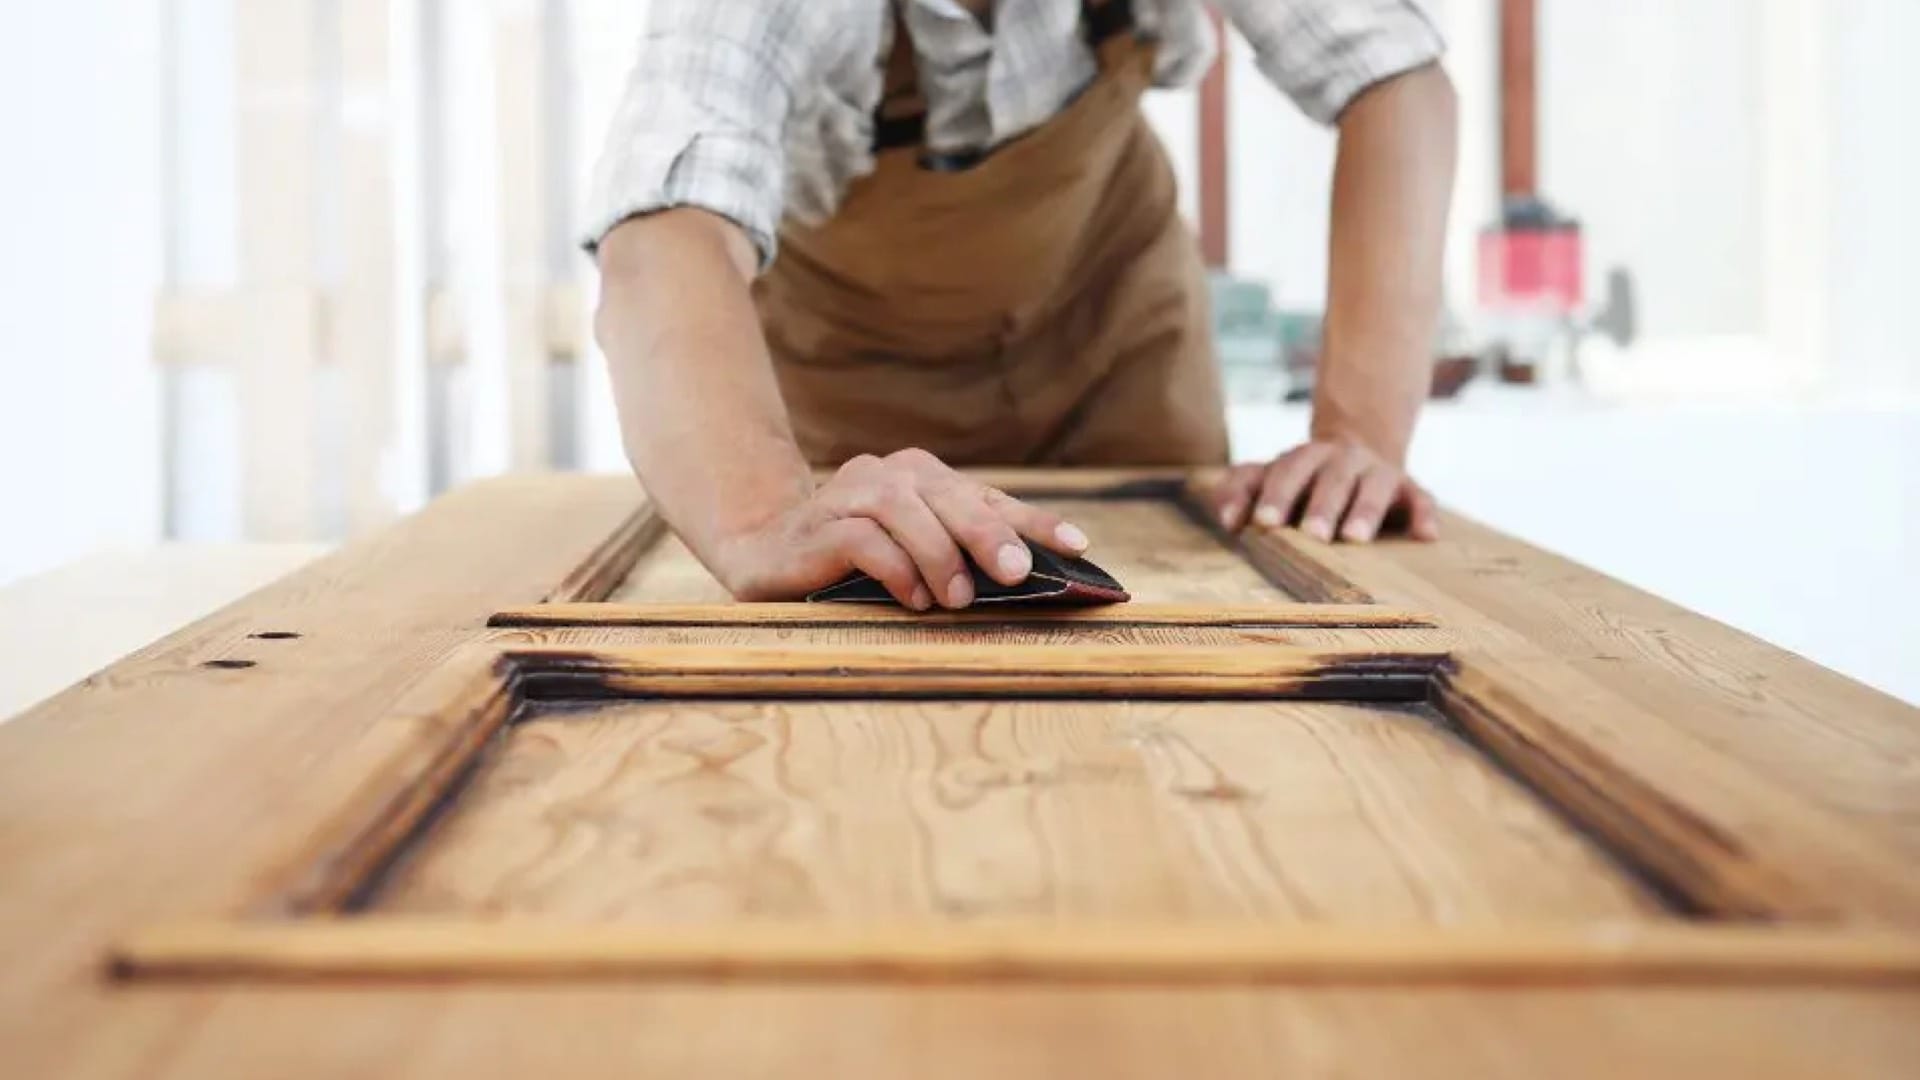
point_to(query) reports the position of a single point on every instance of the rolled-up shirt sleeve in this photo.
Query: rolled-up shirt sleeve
(1323, 53)
(700, 121)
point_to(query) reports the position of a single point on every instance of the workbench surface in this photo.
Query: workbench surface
(509, 789)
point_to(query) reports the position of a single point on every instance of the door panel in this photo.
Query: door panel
(1252, 772)
(951, 810)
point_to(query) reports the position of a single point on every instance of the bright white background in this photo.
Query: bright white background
(1754, 457)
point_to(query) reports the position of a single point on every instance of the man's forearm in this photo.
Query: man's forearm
(700, 410)
(1393, 177)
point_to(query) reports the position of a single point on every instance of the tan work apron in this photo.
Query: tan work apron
(1045, 305)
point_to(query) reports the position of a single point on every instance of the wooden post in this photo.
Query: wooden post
(173, 421)
(1214, 211)
(1518, 161)
(365, 344)
(521, 41)
(445, 342)
(1797, 204)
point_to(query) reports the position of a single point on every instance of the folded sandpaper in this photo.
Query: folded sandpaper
(1056, 579)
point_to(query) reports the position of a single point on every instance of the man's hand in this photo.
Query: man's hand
(1331, 489)
(1392, 178)
(904, 520)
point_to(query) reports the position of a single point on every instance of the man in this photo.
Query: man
(913, 234)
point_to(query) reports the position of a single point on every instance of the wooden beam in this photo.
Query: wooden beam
(378, 947)
(1251, 616)
(277, 86)
(543, 317)
(366, 341)
(947, 669)
(197, 326)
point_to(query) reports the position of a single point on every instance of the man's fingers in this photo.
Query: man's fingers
(1285, 480)
(1234, 494)
(1423, 516)
(1332, 491)
(988, 523)
(897, 504)
(863, 545)
(1373, 496)
(987, 537)
(888, 493)
(1043, 527)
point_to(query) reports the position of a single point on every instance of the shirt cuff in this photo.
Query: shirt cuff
(736, 177)
(1350, 54)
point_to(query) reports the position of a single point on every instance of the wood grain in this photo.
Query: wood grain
(1691, 828)
(1009, 1030)
(954, 811)
(1743, 703)
(389, 948)
(440, 728)
(962, 668)
(1162, 556)
(1264, 616)
(164, 784)
(1788, 720)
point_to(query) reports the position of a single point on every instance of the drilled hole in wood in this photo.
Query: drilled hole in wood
(274, 635)
(228, 665)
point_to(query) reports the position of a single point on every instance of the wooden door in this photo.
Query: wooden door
(1419, 785)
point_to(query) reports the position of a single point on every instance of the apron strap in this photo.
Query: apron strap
(901, 117)
(1102, 19)
(900, 120)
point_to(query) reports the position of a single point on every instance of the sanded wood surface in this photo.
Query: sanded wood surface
(1799, 726)
(1733, 844)
(601, 572)
(1162, 555)
(174, 779)
(667, 572)
(950, 811)
(179, 779)
(1149, 544)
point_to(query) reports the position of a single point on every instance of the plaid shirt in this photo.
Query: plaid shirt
(755, 108)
